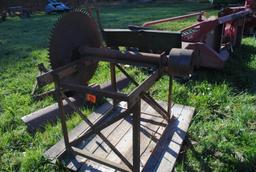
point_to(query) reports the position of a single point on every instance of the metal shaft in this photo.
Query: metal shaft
(127, 57)
(136, 136)
(151, 23)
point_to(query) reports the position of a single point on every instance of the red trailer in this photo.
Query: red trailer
(214, 38)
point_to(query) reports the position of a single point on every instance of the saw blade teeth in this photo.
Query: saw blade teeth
(59, 51)
(78, 10)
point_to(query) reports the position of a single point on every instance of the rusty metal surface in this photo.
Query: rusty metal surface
(116, 56)
(181, 62)
(71, 31)
(76, 38)
(143, 40)
(226, 30)
(75, 50)
(171, 19)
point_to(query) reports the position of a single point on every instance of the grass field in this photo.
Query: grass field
(224, 125)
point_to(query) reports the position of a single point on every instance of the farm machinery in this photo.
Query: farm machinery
(214, 38)
(75, 50)
(78, 44)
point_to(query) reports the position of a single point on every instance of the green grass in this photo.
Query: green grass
(224, 124)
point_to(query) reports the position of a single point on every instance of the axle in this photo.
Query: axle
(179, 62)
(128, 57)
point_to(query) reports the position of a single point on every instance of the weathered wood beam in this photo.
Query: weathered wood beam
(38, 119)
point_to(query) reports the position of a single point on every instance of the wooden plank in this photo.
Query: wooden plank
(149, 126)
(176, 110)
(77, 162)
(147, 134)
(166, 152)
(91, 145)
(179, 133)
(99, 159)
(38, 119)
(103, 150)
(58, 149)
(106, 151)
(94, 167)
(97, 145)
(120, 135)
(125, 145)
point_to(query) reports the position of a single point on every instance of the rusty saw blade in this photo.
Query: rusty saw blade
(72, 30)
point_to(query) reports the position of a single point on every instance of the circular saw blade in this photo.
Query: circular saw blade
(71, 31)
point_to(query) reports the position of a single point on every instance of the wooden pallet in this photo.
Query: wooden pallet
(160, 158)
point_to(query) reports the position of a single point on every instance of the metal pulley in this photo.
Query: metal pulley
(181, 62)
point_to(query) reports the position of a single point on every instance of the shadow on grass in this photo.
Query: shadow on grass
(237, 164)
(204, 166)
(239, 71)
